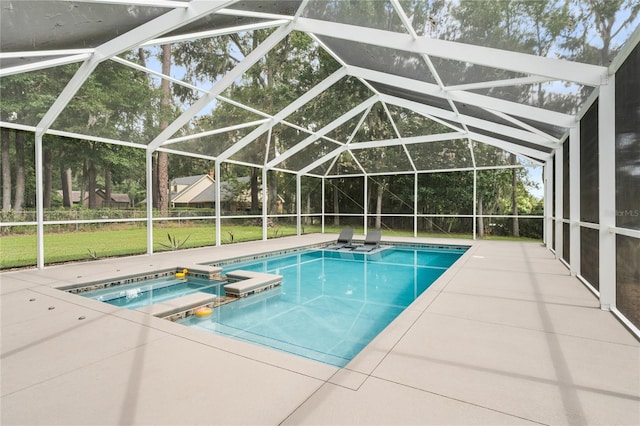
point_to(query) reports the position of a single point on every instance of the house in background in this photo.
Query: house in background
(193, 191)
(200, 192)
(117, 199)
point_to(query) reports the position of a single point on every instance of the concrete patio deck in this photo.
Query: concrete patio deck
(506, 336)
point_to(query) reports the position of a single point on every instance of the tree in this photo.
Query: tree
(285, 73)
(47, 177)
(66, 183)
(18, 201)
(377, 127)
(162, 157)
(6, 169)
(607, 18)
(447, 193)
(514, 197)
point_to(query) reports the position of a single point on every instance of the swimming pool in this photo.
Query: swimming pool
(331, 304)
(155, 290)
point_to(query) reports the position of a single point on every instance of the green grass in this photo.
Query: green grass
(19, 250)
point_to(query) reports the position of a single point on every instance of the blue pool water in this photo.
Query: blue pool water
(156, 290)
(331, 304)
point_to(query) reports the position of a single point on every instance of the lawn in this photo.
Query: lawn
(19, 250)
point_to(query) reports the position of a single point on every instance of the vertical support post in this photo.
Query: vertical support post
(574, 199)
(366, 203)
(558, 201)
(39, 202)
(218, 184)
(548, 203)
(298, 205)
(149, 170)
(475, 203)
(415, 205)
(265, 202)
(607, 193)
(323, 199)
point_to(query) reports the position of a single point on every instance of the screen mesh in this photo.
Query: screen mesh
(628, 277)
(566, 182)
(589, 256)
(589, 202)
(628, 142)
(553, 207)
(566, 243)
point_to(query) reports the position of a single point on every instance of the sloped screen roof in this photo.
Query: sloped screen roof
(302, 86)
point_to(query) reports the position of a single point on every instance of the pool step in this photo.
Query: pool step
(185, 306)
(244, 283)
(206, 272)
(191, 311)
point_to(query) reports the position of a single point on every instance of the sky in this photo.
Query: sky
(535, 174)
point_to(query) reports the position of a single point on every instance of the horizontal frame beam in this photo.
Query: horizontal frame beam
(470, 121)
(482, 101)
(557, 69)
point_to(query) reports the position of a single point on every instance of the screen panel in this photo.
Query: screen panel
(628, 142)
(344, 195)
(628, 277)
(589, 201)
(589, 256)
(393, 193)
(553, 207)
(566, 243)
(449, 193)
(566, 181)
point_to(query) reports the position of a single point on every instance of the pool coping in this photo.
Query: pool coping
(202, 271)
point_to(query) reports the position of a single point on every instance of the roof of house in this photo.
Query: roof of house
(187, 180)
(208, 194)
(115, 196)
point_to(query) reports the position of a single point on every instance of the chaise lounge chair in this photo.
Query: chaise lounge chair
(343, 241)
(372, 241)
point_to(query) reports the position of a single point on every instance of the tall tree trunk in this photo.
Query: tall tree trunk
(429, 224)
(83, 185)
(379, 205)
(272, 190)
(91, 177)
(336, 206)
(107, 185)
(480, 219)
(6, 169)
(163, 157)
(308, 219)
(48, 177)
(18, 201)
(155, 194)
(514, 197)
(67, 188)
(154, 182)
(254, 190)
(163, 183)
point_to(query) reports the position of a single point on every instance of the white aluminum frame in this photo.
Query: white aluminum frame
(607, 193)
